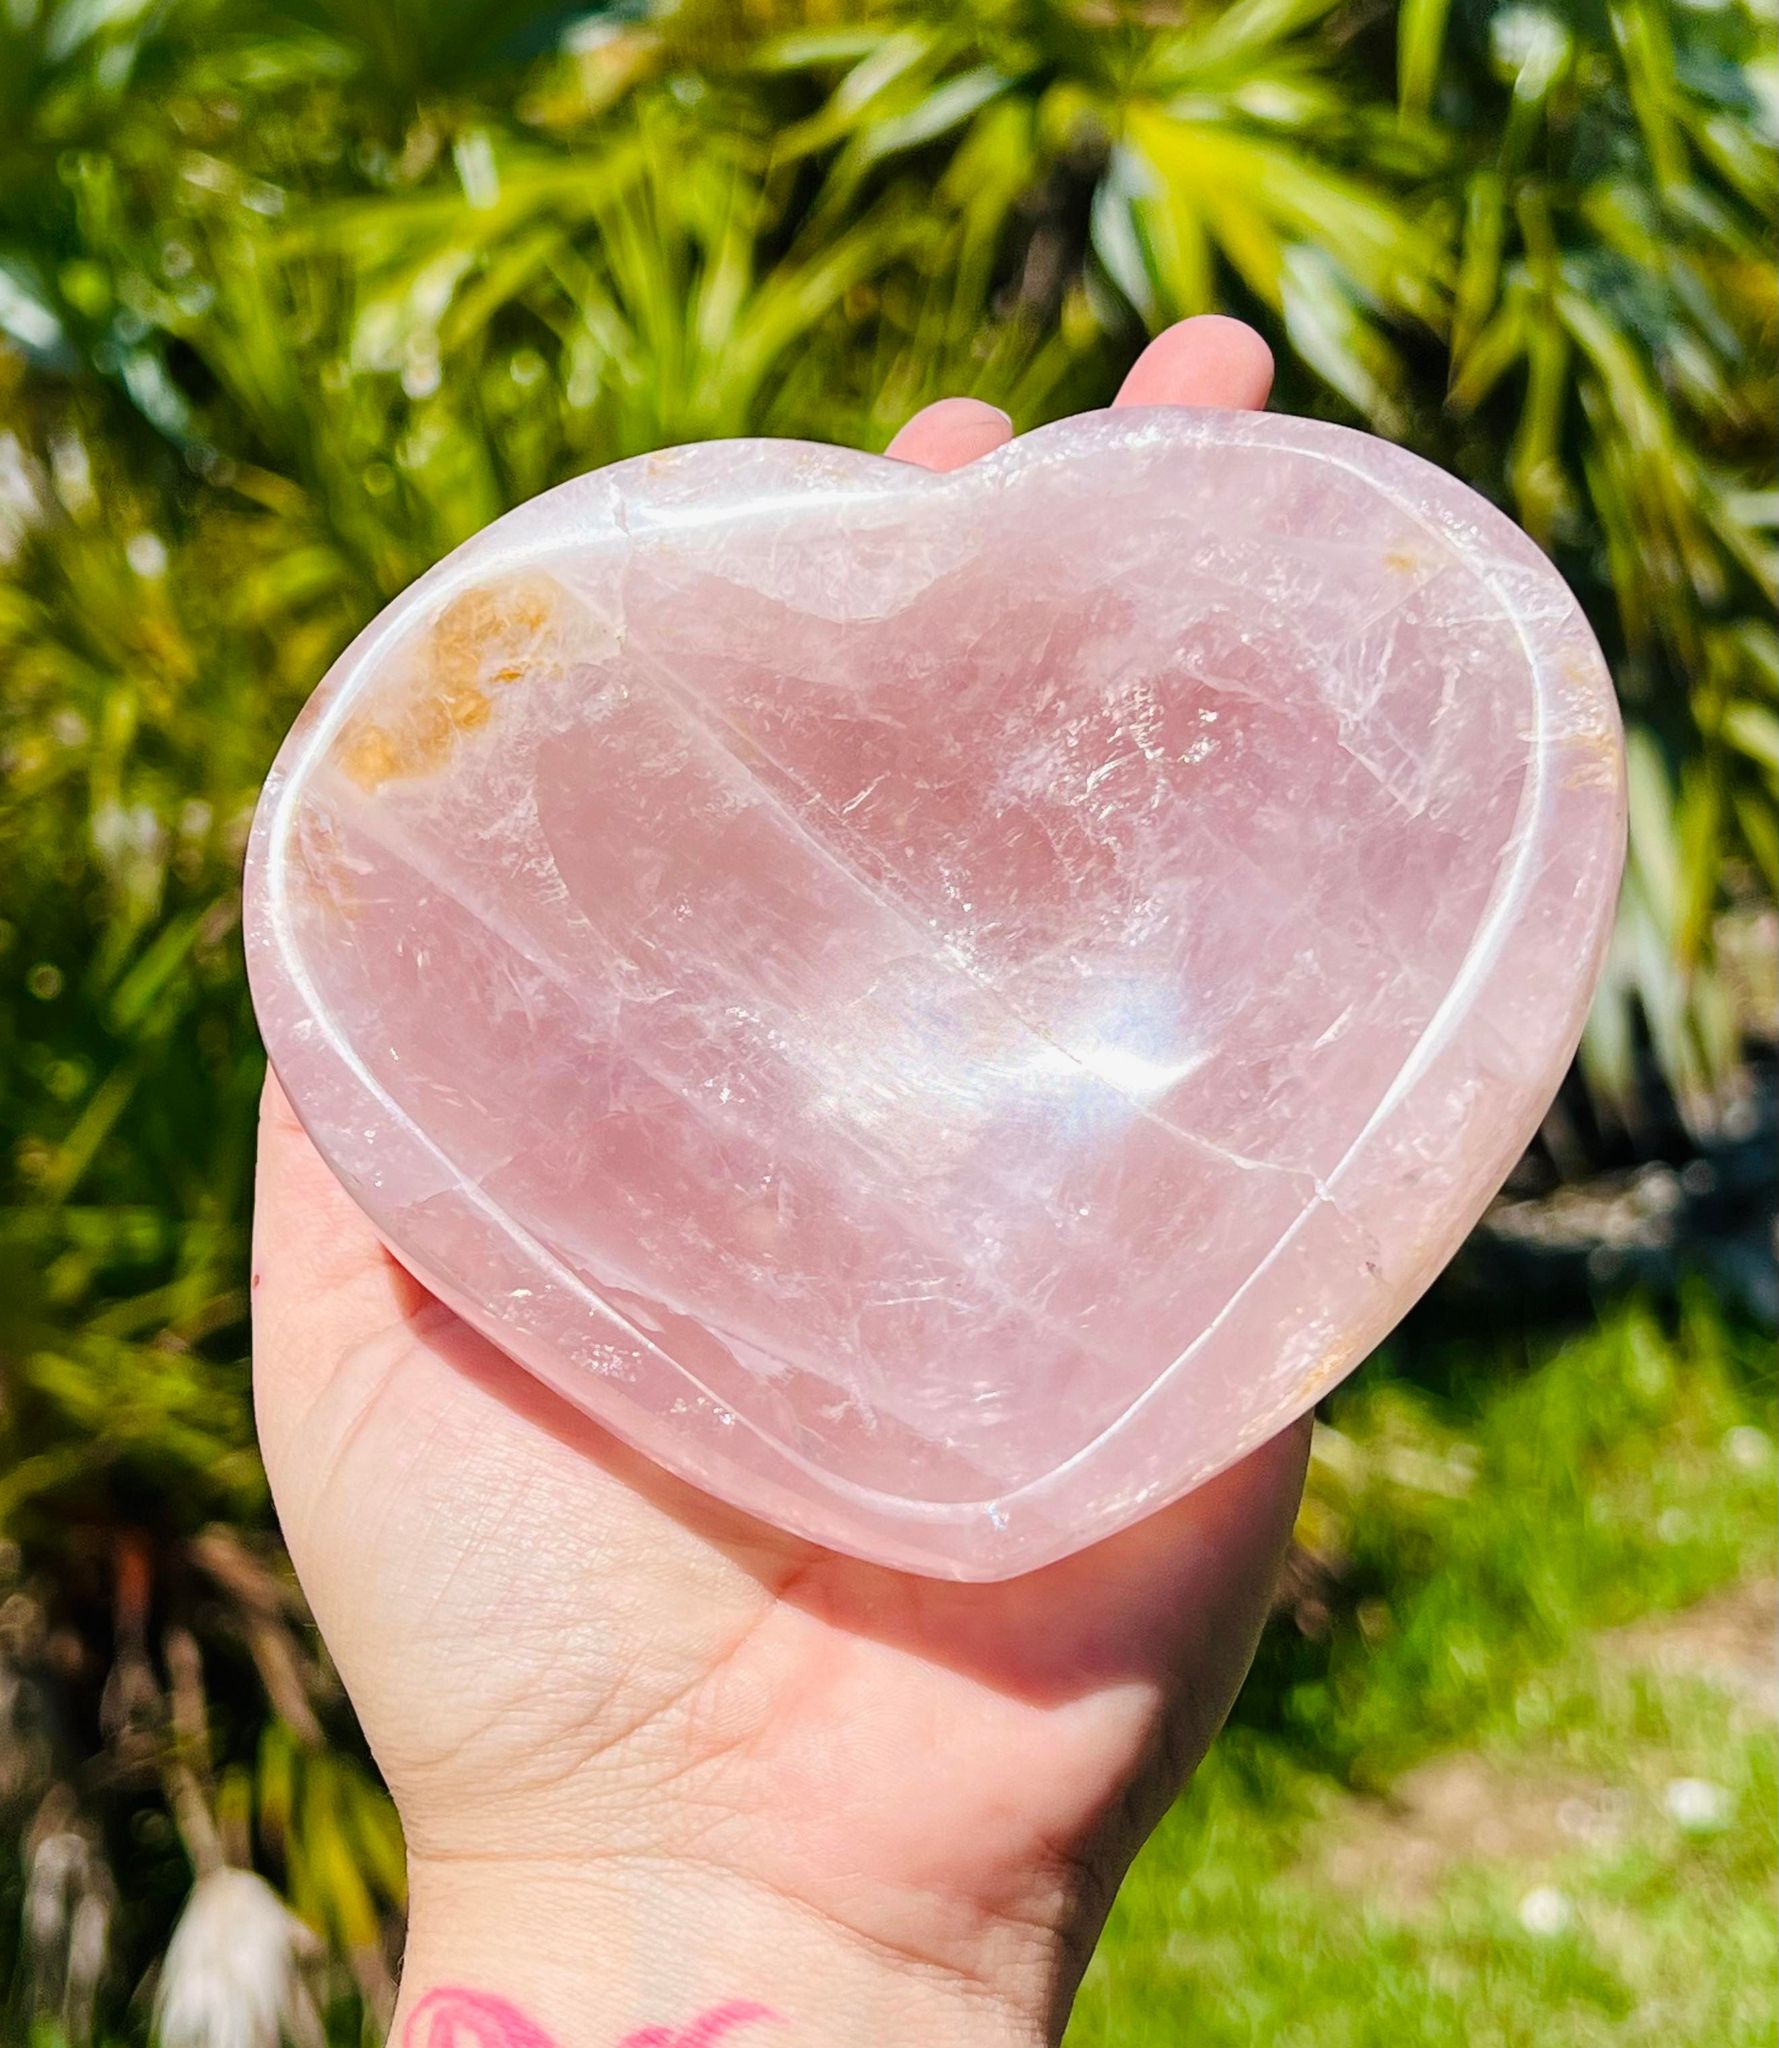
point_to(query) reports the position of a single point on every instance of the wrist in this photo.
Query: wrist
(629, 1954)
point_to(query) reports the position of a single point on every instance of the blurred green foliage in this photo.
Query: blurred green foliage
(292, 299)
(1466, 1802)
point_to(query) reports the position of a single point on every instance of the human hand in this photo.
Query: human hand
(666, 1773)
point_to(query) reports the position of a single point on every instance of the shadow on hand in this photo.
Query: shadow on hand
(1176, 1601)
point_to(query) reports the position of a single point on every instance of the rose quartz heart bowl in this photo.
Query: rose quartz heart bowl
(946, 1008)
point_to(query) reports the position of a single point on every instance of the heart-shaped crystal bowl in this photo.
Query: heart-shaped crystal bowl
(945, 1008)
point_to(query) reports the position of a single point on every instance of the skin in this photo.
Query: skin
(652, 1757)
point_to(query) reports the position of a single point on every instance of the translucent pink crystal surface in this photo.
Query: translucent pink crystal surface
(947, 1007)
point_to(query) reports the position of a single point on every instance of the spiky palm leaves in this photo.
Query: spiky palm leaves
(298, 298)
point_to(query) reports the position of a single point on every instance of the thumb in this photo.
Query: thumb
(323, 1285)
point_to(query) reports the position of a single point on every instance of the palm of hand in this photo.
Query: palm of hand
(560, 1652)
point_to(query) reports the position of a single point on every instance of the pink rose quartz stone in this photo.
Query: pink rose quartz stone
(946, 1008)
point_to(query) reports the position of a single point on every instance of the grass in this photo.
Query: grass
(291, 301)
(1509, 1788)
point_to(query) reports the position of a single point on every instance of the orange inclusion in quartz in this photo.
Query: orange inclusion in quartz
(488, 637)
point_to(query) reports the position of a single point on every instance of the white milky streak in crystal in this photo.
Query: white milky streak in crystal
(947, 1007)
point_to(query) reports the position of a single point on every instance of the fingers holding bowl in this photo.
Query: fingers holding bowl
(1209, 360)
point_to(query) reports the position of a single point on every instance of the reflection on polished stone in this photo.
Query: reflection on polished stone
(944, 1008)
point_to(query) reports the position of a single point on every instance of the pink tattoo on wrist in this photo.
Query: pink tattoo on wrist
(455, 2018)
(704, 2032)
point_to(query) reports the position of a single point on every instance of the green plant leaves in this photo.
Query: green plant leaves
(292, 300)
